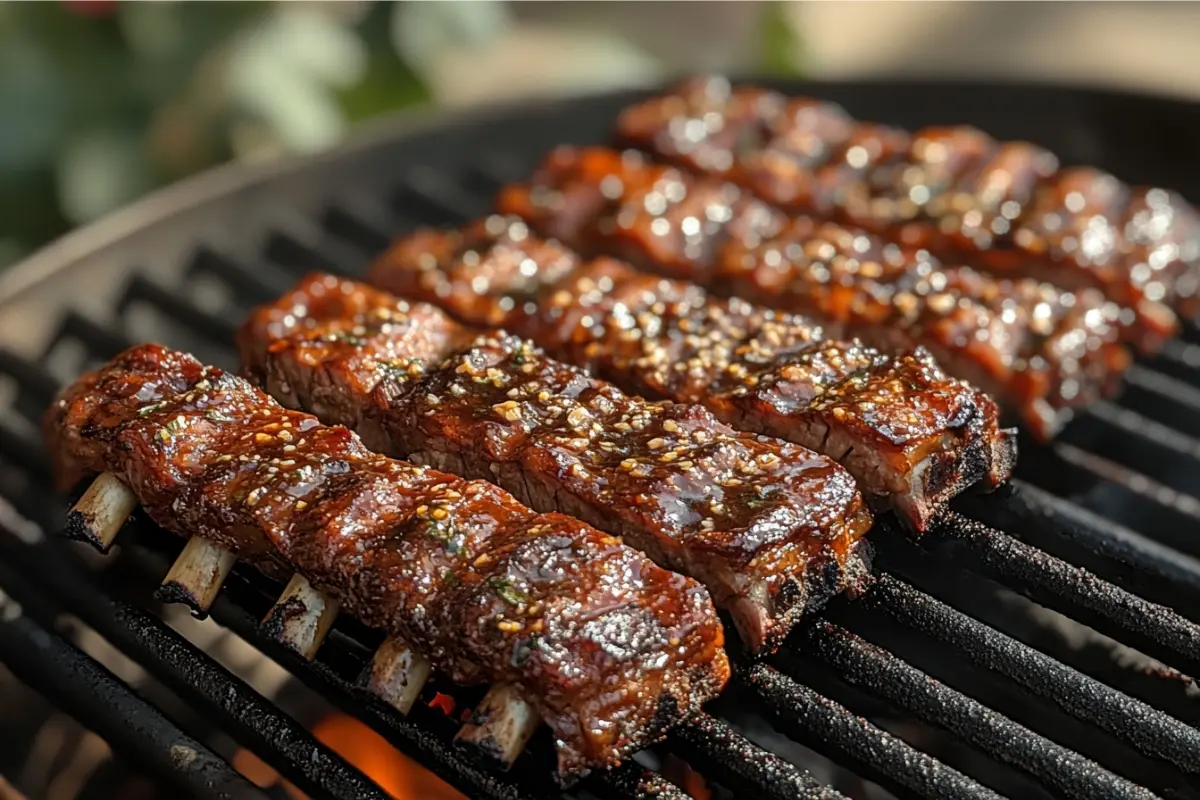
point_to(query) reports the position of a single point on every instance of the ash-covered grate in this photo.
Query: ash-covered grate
(1035, 644)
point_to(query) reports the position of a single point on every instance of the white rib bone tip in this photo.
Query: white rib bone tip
(101, 512)
(502, 724)
(302, 618)
(197, 575)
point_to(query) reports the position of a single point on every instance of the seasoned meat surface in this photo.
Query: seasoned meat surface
(612, 648)
(1044, 351)
(910, 435)
(1007, 207)
(771, 528)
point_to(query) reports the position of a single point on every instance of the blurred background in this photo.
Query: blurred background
(101, 102)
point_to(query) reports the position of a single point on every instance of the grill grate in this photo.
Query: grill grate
(965, 690)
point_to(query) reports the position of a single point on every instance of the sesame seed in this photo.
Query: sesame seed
(671, 426)
(440, 513)
(262, 438)
(657, 443)
(508, 625)
(509, 410)
(482, 561)
(301, 505)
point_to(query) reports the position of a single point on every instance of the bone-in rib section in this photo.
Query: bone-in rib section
(912, 436)
(1043, 351)
(1007, 207)
(769, 527)
(609, 648)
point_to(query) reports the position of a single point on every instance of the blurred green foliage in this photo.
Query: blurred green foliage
(101, 101)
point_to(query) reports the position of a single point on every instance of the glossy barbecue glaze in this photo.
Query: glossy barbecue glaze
(910, 435)
(1006, 207)
(769, 527)
(612, 648)
(1044, 351)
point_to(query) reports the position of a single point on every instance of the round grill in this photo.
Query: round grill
(1034, 644)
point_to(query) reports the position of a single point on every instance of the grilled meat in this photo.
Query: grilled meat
(1005, 207)
(1044, 351)
(771, 528)
(613, 649)
(912, 437)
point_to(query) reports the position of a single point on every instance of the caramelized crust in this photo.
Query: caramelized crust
(910, 435)
(614, 649)
(1043, 351)
(1005, 207)
(771, 528)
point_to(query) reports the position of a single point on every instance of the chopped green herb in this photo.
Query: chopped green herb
(763, 498)
(446, 533)
(508, 593)
(146, 411)
(177, 425)
(450, 578)
(218, 416)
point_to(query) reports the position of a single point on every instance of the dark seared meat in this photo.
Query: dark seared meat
(909, 434)
(769, 527)
(612, 648)
(1005, 207)
(1043, 351)
(598, 200)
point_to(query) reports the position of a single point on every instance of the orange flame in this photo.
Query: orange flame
(397, 774)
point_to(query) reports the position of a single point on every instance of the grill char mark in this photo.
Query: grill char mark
(1007, 207)
(748, 516)
(1044, 351)
(491, 591)
(911, 436)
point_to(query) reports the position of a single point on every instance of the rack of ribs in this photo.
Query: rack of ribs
(605, 647)
(770, 528)
(1041, 350)
(912, 437)
(1008, 207)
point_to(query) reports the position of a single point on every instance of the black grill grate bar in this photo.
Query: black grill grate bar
(1150, 731)
(29, 455)
(432, 198)
(245, 282)
(878, 671)
(195, 676)
(424, 732)
(714, 748)
(88, 692)
(834, 730)
(1179, 360)
(1154, 629)
(1165, 386)
(1139, 484)
(1134, 424)
(101, 342)
(32, 379)
(143, 290)
(1037, 513)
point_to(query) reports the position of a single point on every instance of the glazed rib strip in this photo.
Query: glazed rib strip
(1004, 206)
(769, 527)
(611, 649)
(912, 437)
(1041, 350)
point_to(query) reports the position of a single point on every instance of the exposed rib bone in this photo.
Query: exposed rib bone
(301, 618)
(101, 512)
(196, 576)
(502, 724)
(397, 674)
